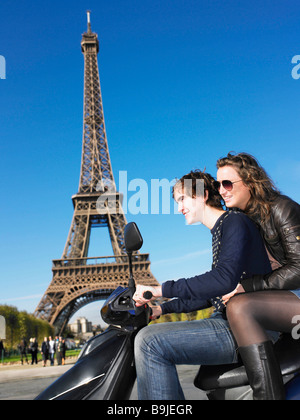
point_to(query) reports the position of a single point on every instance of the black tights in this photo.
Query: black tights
(251, 314)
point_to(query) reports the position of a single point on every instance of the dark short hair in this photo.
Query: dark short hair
(191, 179)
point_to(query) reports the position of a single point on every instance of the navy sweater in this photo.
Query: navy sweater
(238, 253)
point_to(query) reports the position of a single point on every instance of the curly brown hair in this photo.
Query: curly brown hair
(190, 185)
(262, 189)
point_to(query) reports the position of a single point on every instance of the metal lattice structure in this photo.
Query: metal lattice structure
(77, 279)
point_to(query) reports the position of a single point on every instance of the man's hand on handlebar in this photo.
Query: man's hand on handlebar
(139, 297)
(156, 312)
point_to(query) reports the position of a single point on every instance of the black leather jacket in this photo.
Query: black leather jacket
(281, 234)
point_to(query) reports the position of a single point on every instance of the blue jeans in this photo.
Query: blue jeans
(51, 359)
(296, 292)
(160, 347)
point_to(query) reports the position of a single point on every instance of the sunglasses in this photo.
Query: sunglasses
(228, 185)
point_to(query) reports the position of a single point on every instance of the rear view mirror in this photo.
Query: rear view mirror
(133, 238)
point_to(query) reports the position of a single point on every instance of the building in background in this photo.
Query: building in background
(81, 326)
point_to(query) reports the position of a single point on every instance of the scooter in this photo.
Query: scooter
(105, 367)
(230, 382)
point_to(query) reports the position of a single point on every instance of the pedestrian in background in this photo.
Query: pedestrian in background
(45, 351)
(51, 351)
(23, 351)
(34, 350)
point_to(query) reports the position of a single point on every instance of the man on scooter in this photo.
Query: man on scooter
(238, 253)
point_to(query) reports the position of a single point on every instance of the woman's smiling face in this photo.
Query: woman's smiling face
(240, 194)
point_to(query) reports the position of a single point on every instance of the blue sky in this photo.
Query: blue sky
(183, 83)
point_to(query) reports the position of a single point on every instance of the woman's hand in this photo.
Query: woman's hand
(138, 297)
(239, 289)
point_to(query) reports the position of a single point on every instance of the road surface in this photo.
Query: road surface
(26, 382)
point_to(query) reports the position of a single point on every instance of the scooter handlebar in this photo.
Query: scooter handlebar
(148, 295)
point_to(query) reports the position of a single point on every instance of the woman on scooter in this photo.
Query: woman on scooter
(244, 184)
(238, 252)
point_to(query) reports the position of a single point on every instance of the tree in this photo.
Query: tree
(21, 325)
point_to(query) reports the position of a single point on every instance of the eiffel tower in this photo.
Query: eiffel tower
(79, 280)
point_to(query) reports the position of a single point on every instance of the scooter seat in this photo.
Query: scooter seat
(234, 375)
(287, 351)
